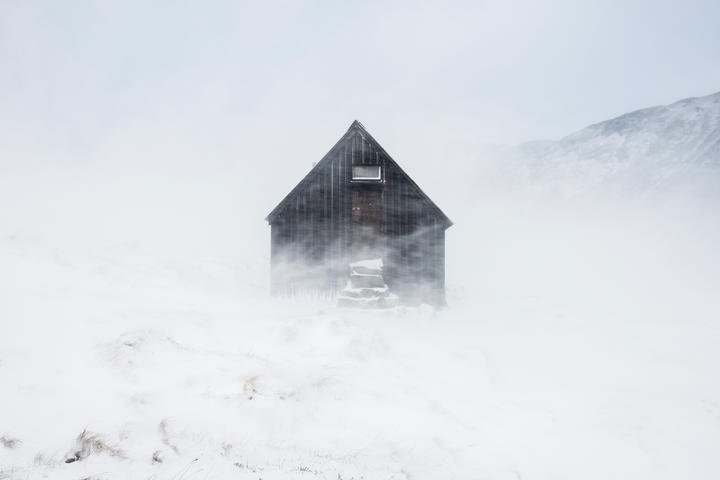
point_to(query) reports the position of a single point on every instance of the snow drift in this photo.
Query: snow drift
(580, 341)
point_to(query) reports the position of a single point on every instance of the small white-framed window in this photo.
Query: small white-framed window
(366, 172)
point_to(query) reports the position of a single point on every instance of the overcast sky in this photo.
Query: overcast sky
(210, 84)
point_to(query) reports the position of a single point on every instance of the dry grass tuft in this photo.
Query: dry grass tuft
(88, 443)
(165, 436)
(157, 456)
(9, 442)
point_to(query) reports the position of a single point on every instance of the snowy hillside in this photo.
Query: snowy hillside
(657, 149)
(581, 340)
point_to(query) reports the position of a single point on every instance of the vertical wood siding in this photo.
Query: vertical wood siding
(311, 236)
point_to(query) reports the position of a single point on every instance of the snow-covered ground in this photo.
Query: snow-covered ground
(573, 347)
(137, 339)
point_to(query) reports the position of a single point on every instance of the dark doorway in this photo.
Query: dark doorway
(365, 222)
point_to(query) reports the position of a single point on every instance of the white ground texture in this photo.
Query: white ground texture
(581, 341)
(191, 363)
(167, 359)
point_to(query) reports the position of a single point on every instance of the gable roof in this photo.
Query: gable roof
(355, 127)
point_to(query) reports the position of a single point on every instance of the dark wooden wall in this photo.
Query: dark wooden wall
(311, 236)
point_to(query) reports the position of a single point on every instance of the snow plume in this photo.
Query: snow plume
(135, 309)
(310, 267)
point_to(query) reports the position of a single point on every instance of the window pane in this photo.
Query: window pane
(366, 172)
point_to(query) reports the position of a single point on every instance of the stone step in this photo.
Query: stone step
(366, 292)
(389, 301)
(359, 269)
(366, 287)
(360, 280)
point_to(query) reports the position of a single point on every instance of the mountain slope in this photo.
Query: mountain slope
(656, 149)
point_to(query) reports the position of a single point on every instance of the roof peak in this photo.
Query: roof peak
(358, 127)
(356, 124)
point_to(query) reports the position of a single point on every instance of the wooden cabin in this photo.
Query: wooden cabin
(357, 203)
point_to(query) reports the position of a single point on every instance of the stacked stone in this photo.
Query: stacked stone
(366, 287)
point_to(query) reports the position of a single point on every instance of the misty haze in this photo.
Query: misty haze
(294, 240)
